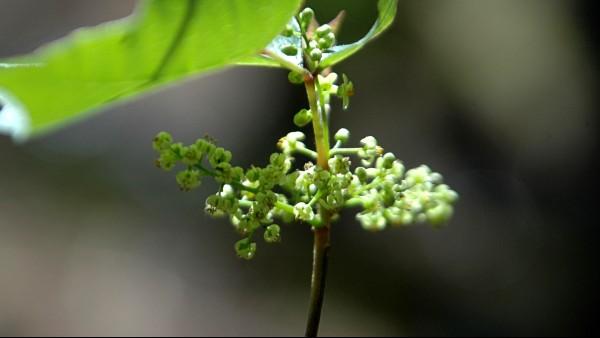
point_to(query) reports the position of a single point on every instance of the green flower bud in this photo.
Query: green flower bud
(306, 17)
(327, 41)
(253, 174)
(296, 78)
(369, 142)
(167, 160)
(278, 160)
(245, 249)
(304, 212)
(372, 221)
(219, 155)
(361, 173)
(330, 37)
(436, 178)
(316, 54)
(444, 193)
(162, 141)
(339, 164)
(188, 179)
(289, 50)
(191, 155)
(418, 175)
(178, 149)
(272, 234)
(324, 30)
(204, 146)
(388, 160)
(342, 135)
(303, 117)
(397, 169)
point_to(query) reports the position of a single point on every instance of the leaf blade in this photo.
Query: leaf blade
(162, 42)
(387, 10)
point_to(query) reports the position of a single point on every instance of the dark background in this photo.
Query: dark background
(499, 95)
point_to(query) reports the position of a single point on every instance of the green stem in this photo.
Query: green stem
(353, 202)
(287, 64)
(319, 273)
(307, 152)
(316, 198)
(319, 125)
(345, 151)
(322, 233)
(285, 207)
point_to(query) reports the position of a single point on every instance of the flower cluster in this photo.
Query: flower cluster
(255, 198)
(258, 198)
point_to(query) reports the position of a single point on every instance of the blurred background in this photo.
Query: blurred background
(499, 95)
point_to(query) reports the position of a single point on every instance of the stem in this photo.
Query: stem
(319, 274)
(345, 151)
(287, 64)
(306, 152)
(319, 125)
(321, 233)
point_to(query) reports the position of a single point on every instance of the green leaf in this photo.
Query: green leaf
(163, 41)
(273, 56)
(387, 12)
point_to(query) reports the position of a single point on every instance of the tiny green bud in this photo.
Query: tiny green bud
(295, 77)
(272, 234)
(162, 141)
(444, 193)
(306, 17)
(177, 149)
(245, 249)
(188, 179)
(342, 135)
(316, 54)
(295, 136)
(289, 50)
(303, 117)
(439, 214)
(218, 156)
(361, 173)
(374, 221)
(369, 142)
(203, 146)
(191, 155)
(388, 160)
(304, 212)
(330, 37)
(327, 41)
(253, 174)
(167, 160)
(324, 30)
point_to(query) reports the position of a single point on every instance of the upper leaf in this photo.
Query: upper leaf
(162, 42)
(387, 12)
(273, 56)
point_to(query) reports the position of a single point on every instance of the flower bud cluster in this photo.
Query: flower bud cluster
(391, 197)
(254, 199)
